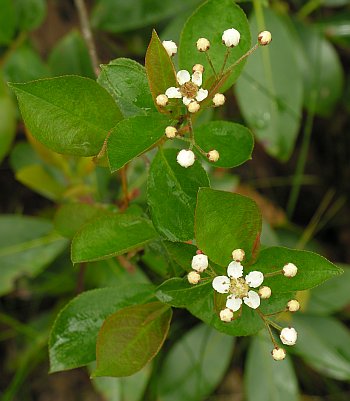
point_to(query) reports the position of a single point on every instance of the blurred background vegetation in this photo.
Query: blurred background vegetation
(301, 184)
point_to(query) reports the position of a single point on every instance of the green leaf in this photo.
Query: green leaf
(266, 380)
(132, 137)
(71, 114)
(7, 21)
(224, 222)
(178, 292)
(171, 195)
(323, 344)
(126, 81)
(209, 21)
(313, 269)
(27, 246)
(195, 365)
(181, 253)
(7, 120)
(30, 13)
(130, 338)
(269, 92)
(234, 142)
(73, 336)
(71, 56)
(159, 67)
(331, 296)
(121, 16)
(108, 236)
(71, 217)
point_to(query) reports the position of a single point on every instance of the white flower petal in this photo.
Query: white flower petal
(183, 76)
(170, 47)
(186, 100)
(197, 78)
(233, 303)
(221, 284)
(173, 93)
(252, 300)
(201, 94)
(235, 270)
(254, 279)
(186, 158)
(200, 262)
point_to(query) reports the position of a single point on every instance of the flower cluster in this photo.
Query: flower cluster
(247, 289)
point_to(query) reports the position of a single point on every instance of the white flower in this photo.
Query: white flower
(231, 37)
(203, 44)
(170, 132)
(293, 305)
(289, 336)
(238, 255)
(213, 155)
(238, 287)
(226, 315)
(185, 158)
(170, 47)
(264, 38)
(193, 277)
(190, 88)
(193, 107)
(290, 270)
(278, 354)
(264, 292)
(162, 100)
(198, 68)
(200, 262)
(219, 99)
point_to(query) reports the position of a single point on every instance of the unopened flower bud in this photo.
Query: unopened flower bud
(289, 336)
(193, 277)
(290, 270)
(293, 305)
(193, 107)
(238, 255)
(264, 38)
(219, 99)
(226, 315)
(162, 100)
(170, 47)
(200, 262)
(198, 68)
(213, 156)
(264, 292)
(203, 44)
(170, 132)
(231, 37)
(278, 354)
(186, 158)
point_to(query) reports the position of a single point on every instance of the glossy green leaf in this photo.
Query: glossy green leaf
(313, 269)
(195, 365)
(269, 92)
(130, 338)
(71, 56)
(71, 114)
(323, 344)
(322, 71)
(180, 293)
(27, 246)
(30, 13)
(266, 379)
(7, 120)
(108, 236)
(132, 137)
(181, 253)
(159, 68)
(126, 81)
(234, 142)
(74, 333)
(209, 21)
(71, 217)
(7, 21)
(172, 192)
(224, 222)
(120, 16)
(331, 296)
